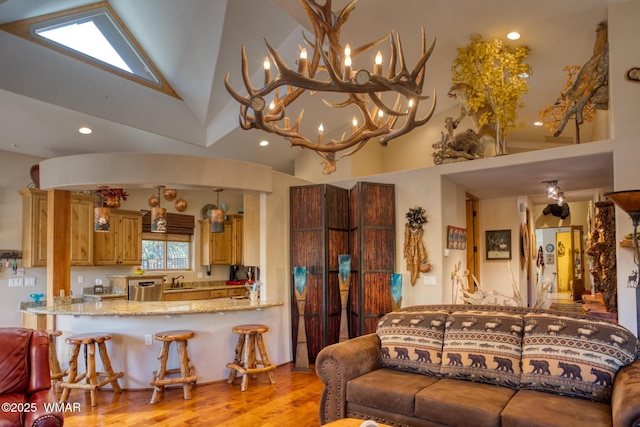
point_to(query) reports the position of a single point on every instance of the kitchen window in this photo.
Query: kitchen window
(166, 251)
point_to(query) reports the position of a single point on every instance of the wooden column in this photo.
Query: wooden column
(58, 244)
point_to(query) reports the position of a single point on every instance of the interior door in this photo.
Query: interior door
(577, 264)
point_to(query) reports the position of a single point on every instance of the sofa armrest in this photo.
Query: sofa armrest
(41, 417)
(339, 363)
(626, 395)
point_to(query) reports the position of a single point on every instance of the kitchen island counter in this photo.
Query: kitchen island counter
(133, 324)
(151, 308)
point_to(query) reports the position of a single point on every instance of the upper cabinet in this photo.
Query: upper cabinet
(222, 248)
(123, 244)
(34, 228)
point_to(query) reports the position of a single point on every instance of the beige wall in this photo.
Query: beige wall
(14, 175)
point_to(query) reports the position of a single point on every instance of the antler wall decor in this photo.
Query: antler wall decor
(265, 108)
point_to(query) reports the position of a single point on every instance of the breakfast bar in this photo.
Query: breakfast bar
(133, 323)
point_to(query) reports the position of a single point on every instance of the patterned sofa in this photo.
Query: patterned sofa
(484, 366)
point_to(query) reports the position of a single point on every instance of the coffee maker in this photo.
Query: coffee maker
(233, 273)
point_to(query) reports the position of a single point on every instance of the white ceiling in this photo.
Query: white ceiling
(45, 96)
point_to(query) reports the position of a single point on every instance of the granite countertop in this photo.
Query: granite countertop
(151, 308)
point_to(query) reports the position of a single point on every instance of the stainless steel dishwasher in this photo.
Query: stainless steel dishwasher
(145, 289)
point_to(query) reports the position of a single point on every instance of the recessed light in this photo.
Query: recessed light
(514, 35)
(264, 143)
(85, 130)
(538, 123)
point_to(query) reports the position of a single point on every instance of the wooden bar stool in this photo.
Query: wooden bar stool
(54, 364)
(245, 361)
(90, 375)
(187, 373)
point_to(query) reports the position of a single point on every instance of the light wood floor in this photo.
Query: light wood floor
(292, 401)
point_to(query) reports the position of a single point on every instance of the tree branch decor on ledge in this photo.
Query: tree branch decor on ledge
(586, 89)
(490, 77)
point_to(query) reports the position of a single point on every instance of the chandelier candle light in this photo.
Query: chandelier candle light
(329, 69)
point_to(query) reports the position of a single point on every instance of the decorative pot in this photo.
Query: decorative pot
(170, 195)
(181, 205)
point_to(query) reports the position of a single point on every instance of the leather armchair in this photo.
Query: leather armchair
(26, 396)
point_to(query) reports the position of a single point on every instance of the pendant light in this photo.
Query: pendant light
(158, 215)
(101, 215)
(217, 215)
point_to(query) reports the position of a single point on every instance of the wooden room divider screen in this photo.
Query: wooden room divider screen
(327, 221)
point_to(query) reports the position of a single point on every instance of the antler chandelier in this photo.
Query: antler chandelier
(329, 69)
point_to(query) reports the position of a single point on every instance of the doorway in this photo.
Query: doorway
(562, 254)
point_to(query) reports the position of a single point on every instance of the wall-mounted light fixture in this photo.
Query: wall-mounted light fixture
(159, 215)
(217, 215)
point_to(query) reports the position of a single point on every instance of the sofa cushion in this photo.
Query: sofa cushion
(412, 341)
(572, 356)
(553, 410)
(388, 390)
(483, 346)
(462, 403)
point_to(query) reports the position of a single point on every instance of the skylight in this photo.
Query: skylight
(85, 38)
(95, 35)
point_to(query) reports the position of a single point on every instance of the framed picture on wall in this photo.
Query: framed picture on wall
(456, 238)
(498, 244)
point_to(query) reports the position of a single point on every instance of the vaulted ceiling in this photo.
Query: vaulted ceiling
(46, 96)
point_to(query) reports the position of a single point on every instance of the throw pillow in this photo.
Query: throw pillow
(412, 341)
(484, 347)
(574, 357)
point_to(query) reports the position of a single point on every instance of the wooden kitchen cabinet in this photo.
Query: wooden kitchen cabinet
(222, 248)
(34, 228)
(123, 244)
(204, 294)
(219, 293)
(187, 295)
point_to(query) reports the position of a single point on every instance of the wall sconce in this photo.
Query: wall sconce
(101, 215)
(158, 215)
(217, 215)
